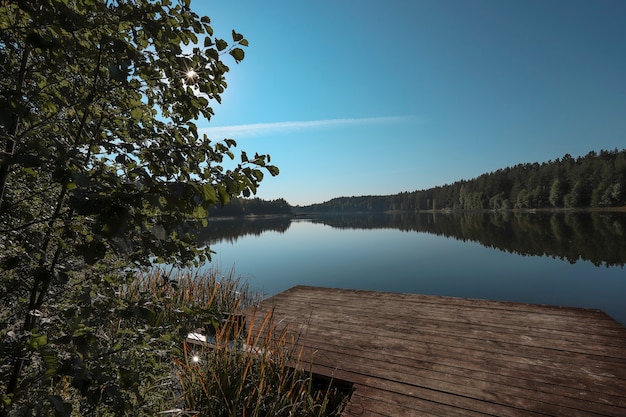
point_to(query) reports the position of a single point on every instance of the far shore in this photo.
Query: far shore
(306, 214)
(620, 209)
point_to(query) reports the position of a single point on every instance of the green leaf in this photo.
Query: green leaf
(200, 212)
(49, 357)
(237, 36)
(136, 113)
(221, 44)
(159, 232)
(223, 195)
(258, 174)
(82, 330)
(273, 170)
(238, 54)
(37, 341)
(208, 193)
(61, 408)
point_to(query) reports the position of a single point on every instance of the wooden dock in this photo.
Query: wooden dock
(415, 355)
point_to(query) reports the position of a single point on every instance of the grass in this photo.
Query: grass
(210, 289)
(249, 369)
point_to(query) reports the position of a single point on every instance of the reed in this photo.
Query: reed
(252, 369)
(210, 288)
(253, 372)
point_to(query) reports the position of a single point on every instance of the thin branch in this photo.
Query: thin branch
(26, 225)
(13, 204)
(46, 120)
(10, 146)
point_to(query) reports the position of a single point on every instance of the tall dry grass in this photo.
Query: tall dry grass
(246, 367)
(209, 288)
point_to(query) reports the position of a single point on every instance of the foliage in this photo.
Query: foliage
(595, 180)
(238, 207)
(253, 372)
(102, 168)
(109, 350)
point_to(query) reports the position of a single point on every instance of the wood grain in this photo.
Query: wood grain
(419, 355)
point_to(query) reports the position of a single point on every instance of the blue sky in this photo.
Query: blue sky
(361, 97)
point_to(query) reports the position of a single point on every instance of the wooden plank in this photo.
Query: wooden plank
(440, 400)
(550, 317)
(425, 355)
(522, 313)
(503, 392)
(419, 327)
(610, 359)
(556, 384)
(368, 400)
(510, 323)
(496, 361)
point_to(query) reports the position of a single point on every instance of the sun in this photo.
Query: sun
(191, 75)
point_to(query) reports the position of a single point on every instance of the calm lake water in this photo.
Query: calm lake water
(560, 259)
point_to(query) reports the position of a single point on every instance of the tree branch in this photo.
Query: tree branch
(10, 146)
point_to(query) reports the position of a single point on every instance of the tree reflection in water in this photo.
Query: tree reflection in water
(598, 237)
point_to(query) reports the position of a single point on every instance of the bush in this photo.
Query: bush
(120, 349)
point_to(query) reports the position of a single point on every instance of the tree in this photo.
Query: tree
(556, 193)
(576, 195)
(102, 170)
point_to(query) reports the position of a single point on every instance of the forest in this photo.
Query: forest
(238, 207)
(590, 181)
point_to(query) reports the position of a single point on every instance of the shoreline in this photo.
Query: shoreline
(618, 209)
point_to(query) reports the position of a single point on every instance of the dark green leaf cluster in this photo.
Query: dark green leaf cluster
(102, 169)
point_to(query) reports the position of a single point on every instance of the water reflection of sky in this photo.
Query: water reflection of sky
(392, 260)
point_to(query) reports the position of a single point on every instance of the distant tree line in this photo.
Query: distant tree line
(595, 180)
(238, 207)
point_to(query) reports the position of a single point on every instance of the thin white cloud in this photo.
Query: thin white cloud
(257, 129)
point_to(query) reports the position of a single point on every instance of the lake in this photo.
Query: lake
(567, 259)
